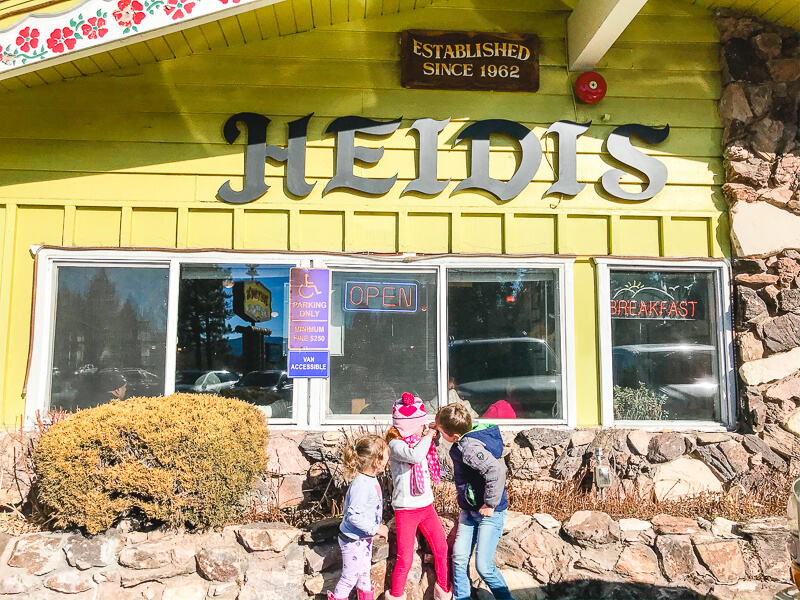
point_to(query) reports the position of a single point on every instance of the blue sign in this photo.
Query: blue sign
(309, 363)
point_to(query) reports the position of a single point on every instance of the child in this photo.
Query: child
(414, 466)
(480, 478)
(363, 512)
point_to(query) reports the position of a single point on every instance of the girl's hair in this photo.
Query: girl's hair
(393, 434)
(363, 454)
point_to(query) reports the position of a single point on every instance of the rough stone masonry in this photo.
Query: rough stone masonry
(759, 108)
(588, 556)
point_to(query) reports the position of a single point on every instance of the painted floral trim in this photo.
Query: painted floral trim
(178, 8)
(74, 32)
(62, 39)
(129, 14)
(94, 28)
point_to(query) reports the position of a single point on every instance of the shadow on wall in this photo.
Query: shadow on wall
(593, 589)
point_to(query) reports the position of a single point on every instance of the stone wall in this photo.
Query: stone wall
(759, 110)
(588, 556)
(306, 466)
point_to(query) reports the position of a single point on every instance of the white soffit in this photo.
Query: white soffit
(594, 26)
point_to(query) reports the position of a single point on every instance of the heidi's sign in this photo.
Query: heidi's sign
(427, 182)
(466, 60)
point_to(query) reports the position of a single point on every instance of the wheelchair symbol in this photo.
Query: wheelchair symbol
(308, 289)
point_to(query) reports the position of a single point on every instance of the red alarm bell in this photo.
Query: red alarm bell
(590, 87)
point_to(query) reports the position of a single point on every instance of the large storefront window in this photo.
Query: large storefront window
(504, 342)
(494, 333)
(383, 340)
(232, 341)
(665, 328)
(110, 335)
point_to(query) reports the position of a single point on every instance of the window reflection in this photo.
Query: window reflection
(504, 344)
(232, 324)
(383, 340)
(110, 335)
(665, 356)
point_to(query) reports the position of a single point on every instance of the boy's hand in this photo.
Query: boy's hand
(486, 511)
(383, 531)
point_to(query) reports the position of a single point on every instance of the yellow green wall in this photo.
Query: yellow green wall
(135, 158)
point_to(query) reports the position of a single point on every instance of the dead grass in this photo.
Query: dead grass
(269, 513)
(768, 499)
(14, 523)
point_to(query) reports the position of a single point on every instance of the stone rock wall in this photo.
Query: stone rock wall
(667, 465)
(588, 556)
(759, 110)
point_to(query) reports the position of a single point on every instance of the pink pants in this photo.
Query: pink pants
(407, 521)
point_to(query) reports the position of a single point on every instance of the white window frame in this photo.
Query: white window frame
(310, 396)
(49, 260)
(319, 389)
(721, 271)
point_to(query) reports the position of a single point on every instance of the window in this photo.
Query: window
(665, 330)
(232, 340)
(110, 335)
(383, 340)
(494, 332)
(504, 342)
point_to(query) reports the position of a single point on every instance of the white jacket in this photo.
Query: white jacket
(401, 458)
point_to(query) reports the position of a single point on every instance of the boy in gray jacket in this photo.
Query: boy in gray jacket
(480, 477)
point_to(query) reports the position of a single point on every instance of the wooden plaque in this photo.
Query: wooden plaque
(469, 60)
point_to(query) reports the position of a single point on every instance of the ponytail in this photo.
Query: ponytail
(362, 455)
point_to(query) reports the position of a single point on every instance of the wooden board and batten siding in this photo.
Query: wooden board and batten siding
(135, 158)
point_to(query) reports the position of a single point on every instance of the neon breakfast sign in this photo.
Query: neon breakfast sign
(635, 300)
(427, 182)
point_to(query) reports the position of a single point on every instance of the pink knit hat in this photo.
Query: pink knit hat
(408, 413)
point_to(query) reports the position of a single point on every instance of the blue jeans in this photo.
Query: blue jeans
(483, 532)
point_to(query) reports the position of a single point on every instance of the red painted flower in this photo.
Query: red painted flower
(232, 1)
(178, 8)
(129, 13)
(27, 39)
(94, 28)
(61, 39)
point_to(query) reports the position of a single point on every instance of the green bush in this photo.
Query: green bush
(186, 459)
(639, 404)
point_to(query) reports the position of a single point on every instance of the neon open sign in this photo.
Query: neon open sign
(380, 297)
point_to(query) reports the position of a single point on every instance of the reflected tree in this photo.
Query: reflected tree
(204, 309)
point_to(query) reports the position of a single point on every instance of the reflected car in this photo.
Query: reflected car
(684, 373)
(264, 388)
(204, 381)
(523, 371)
(141, 382)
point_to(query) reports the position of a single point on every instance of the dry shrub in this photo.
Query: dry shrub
(185, 459)
(16, 467)
(563, 499)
